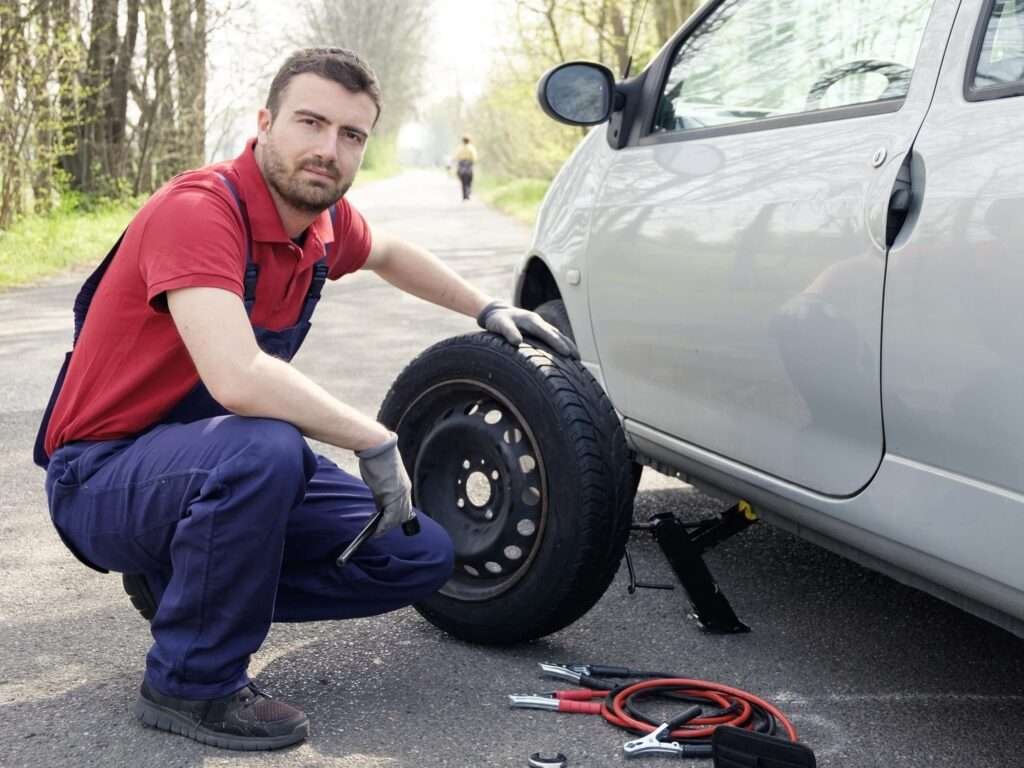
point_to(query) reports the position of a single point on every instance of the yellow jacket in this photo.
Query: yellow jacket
(465, 152)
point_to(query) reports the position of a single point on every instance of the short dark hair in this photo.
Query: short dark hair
(341, 65)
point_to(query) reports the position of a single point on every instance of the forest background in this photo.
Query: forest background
(102, 101)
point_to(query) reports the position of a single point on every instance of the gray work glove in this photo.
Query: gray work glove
(382, 470)
(512, 323)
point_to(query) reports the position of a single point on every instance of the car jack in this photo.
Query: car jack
(684, 545)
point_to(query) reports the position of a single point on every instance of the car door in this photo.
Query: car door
(737, 249)
(953, 370)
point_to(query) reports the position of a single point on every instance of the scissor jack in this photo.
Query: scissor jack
(684, 545)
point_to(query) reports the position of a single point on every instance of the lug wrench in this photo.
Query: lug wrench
(409, 527)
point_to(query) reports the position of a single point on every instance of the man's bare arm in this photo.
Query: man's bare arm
(417, 271)
(246, 381)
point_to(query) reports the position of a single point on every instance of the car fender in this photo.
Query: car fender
(555, 264)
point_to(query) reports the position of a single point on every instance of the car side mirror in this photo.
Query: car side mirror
(577, 93)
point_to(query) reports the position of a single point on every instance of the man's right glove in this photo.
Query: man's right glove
(382, 470)
(512, 323)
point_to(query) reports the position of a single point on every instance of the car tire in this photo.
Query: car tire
(554, 312)
(519, 455)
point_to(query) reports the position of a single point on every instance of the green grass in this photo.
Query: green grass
(40, 246)
(517, 197)
(366, 175)
(380, 161)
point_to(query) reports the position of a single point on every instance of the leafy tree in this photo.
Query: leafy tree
(514, 136)
(391, 35)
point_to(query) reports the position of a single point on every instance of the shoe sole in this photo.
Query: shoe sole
(141, 596)
(164, 719)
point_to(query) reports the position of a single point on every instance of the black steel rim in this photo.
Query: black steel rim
(478, 471)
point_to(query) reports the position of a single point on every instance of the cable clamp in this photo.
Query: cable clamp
(652, 744)
(564, 673)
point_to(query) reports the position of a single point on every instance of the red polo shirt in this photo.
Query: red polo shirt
(130, 366)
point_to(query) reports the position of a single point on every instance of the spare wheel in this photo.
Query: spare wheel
(518, 453)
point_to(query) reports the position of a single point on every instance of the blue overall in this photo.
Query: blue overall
(234, 522)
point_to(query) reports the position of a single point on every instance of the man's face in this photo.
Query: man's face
(313, 148)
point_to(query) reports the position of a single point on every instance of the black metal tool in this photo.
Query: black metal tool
(409, 528)
(538, 760)
(684, 546)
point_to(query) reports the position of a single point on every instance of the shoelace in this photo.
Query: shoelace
(255, 694)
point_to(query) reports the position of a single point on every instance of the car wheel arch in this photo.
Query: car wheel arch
(537, 285)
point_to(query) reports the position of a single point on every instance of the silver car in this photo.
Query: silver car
(793, 263)
(794, 259)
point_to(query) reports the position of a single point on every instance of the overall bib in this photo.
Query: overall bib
(234, 522)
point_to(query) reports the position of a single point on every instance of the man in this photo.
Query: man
(175, 436)
(465, 159)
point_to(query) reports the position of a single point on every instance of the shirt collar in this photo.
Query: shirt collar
(264, 220)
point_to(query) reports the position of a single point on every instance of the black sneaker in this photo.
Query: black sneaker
(138, 590)
(247, 719)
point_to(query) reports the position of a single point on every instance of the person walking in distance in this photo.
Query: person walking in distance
(175, 438)
(465, 159)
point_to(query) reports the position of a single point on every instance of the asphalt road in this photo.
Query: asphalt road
(871, 672)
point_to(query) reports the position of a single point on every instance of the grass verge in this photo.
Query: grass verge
(40, 246)
(380, 161)
(519, 198)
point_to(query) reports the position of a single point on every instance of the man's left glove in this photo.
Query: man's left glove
(383, 471)
(512, 323)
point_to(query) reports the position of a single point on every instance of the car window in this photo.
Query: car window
(1001, 59)
(754, 59)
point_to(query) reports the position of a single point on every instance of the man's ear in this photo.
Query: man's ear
(263, 122)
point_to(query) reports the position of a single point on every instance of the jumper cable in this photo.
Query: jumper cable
(687, 734)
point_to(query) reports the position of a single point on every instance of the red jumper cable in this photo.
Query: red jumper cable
(688, 734)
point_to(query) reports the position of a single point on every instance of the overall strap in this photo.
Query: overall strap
(81, 308)
(251, 268)
(316, 285)
(84, 298)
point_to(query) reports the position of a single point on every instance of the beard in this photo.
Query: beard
(300, 191)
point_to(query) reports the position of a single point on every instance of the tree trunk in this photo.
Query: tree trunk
(117, 105)
(619, 39)
(190, 55)
(11, 44)
(69, 84)
(104, 157)
(46, 119)
(158, 126)
(669, 15)
(93, 150)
